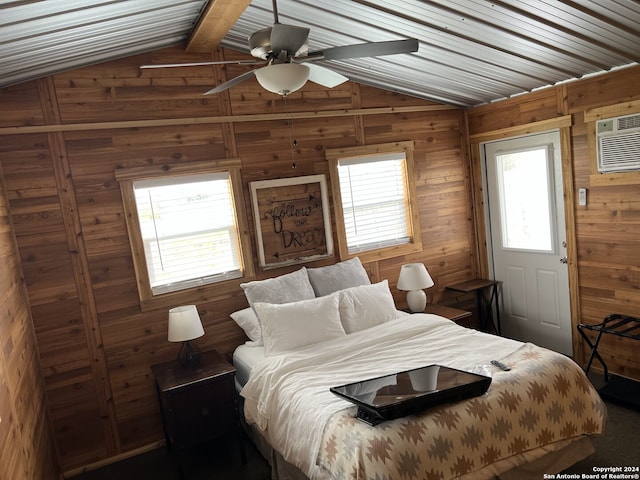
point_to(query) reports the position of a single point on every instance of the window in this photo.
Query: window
(376, 216)
(184, 230)
(188, 231)
(526, 205)
(374, 201)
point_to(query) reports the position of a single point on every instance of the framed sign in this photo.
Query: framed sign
(292, 220)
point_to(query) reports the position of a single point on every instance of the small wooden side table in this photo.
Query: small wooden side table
(451, 313)
(197, 403)
(486, 302)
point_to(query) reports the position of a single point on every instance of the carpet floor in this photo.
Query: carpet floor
(620, 444)
(210, 461)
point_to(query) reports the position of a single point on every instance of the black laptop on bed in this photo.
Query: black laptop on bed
(400, 394)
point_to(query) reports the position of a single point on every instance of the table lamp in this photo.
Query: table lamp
(184, 326)
(413, 278)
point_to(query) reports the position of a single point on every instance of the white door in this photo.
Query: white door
(527, 238)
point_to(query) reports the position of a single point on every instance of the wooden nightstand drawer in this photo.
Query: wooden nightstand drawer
(203, 411)
(448, 312)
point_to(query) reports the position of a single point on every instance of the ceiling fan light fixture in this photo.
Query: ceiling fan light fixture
(283, 78)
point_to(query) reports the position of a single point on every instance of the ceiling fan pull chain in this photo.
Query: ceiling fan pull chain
(292, 141)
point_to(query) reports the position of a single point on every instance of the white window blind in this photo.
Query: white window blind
(189, 232)
(374, 201)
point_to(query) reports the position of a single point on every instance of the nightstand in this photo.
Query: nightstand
(451, 313)
(197, 404)
(485, 302)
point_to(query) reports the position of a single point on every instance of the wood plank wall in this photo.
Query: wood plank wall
(27, 444)
(62, 138)
(607, 229)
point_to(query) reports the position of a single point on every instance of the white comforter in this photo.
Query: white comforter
(287, 396)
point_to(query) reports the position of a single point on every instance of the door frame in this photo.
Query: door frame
(525, 301)
(563, 125)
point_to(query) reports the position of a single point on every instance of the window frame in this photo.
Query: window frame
(334, 156)
(127, 176)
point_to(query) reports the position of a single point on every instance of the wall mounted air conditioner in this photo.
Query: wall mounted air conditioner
(618, 144)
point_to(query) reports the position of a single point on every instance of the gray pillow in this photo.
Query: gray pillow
(291, 287)
(329, 279)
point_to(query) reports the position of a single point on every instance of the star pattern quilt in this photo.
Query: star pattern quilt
(542, 400)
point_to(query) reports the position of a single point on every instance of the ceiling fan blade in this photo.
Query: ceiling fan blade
(324, 76)
(202, 64)
(230, 83)
(288, 38)
(372, 49)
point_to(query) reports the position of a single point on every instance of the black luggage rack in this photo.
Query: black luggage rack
(617, 388)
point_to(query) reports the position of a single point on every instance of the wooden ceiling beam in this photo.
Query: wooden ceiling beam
(216, 20)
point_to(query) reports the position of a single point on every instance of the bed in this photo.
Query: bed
(536, 418)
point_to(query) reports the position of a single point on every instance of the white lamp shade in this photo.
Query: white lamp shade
(283, 78)
(414, 276)
(184, 324)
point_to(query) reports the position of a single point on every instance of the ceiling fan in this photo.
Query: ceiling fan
(287, 62)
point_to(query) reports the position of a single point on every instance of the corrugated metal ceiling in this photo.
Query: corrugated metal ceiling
(39, 38)
(471, 51)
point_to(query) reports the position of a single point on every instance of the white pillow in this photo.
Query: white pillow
(366, 306)
(289, 326)
(291, 287)
(329, 279)
(247, 321)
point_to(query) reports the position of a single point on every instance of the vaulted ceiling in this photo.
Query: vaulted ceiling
(470, 51)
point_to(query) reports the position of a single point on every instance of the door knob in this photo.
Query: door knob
(564, 260)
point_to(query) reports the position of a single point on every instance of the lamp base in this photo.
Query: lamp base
(417, 300)
(189, 355)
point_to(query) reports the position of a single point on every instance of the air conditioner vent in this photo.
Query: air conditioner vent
(619, 144)
(631, 121)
